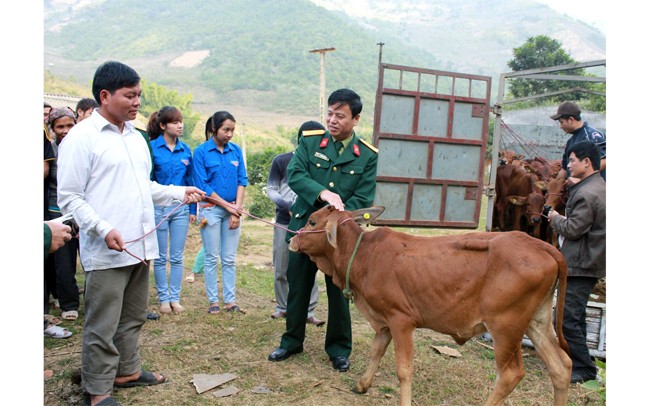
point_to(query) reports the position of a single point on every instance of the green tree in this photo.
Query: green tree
(258, 168)
(155, 96)
(540, 52)
(259, 165)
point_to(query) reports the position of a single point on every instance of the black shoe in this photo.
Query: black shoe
(578, 377)
(340, 363)
(280, 354)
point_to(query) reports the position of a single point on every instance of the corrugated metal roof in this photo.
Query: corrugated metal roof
(61, 100)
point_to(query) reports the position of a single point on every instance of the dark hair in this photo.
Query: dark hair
(208, 128)
(85, 104)
(218, 118)
(309, 125)
(165, 115)
(346, 96)
(46, 104)
(111, 76)
(586, 149)
(576, 117)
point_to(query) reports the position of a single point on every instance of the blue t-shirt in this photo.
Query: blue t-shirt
(172, 167)
(585, 133)
(219, 172)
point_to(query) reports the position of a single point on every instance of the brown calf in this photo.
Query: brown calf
(460, 285)
(557, 194)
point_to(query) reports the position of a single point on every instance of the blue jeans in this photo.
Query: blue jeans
(219, 241)
(173, 229)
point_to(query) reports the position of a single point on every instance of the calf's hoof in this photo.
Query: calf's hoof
(360, 389)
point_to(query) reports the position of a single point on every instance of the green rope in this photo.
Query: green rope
(347, 292)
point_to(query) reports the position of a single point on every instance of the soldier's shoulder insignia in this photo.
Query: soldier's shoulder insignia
(309, 133)
(369, 145)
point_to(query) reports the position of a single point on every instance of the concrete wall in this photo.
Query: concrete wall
(536, 134)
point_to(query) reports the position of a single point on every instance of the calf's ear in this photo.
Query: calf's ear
(517, 200)
(330, 231)
(367, 216)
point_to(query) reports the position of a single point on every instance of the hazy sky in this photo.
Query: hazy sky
(588, 11)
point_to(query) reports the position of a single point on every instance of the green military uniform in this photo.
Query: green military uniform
(316, 165)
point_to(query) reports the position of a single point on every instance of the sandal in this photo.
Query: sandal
(146, 378)
(214, 309)
(70, 315)
(109, 401)
(52, 320)
(190, 278)
(57, 332)
(235, 308)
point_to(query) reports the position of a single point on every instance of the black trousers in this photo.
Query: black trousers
(61, 265)
(49, 283)
(574, 324)
(301, 273)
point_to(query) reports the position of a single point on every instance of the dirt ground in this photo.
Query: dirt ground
(181, 346)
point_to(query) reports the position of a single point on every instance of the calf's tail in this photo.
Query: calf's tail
(561, 294)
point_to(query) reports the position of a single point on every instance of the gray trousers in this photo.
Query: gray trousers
(115, 302)
(280, 264)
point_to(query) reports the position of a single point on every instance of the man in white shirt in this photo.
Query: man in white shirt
(104, 166)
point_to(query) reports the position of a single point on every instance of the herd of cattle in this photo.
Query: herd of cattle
(525, 190)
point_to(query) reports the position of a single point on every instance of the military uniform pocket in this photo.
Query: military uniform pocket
(319, 163)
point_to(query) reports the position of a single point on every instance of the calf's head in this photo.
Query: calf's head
(319, 235)
(533, 206)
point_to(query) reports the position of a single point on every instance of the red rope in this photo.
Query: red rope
(154, 229)
(531, 149)
(224, 205)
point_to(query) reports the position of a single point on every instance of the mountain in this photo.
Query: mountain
(472, 36)
(255, 53)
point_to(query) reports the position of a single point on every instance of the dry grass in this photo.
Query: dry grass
(195, 342)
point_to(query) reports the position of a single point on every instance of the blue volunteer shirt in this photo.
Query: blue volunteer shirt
(219, 172)
(172, 167)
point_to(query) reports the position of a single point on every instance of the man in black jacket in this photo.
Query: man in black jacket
(582, 241)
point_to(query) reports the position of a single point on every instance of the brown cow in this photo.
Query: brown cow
(557, 194)
(528, 209)
(500, 219)
(507, 156)
(460, 285)
(519, 200)
(540, 167)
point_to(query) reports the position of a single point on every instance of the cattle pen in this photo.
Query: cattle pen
(532, 132)
(431, 128)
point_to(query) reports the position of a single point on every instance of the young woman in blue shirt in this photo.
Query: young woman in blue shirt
(172, 165)
(219, 170)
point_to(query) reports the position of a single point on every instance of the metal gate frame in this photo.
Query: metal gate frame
(541, 74)
(480, 108)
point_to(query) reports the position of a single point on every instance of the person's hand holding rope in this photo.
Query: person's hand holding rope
(193, 195)
(114, 240)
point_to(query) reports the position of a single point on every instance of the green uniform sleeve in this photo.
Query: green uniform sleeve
(47, 239)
